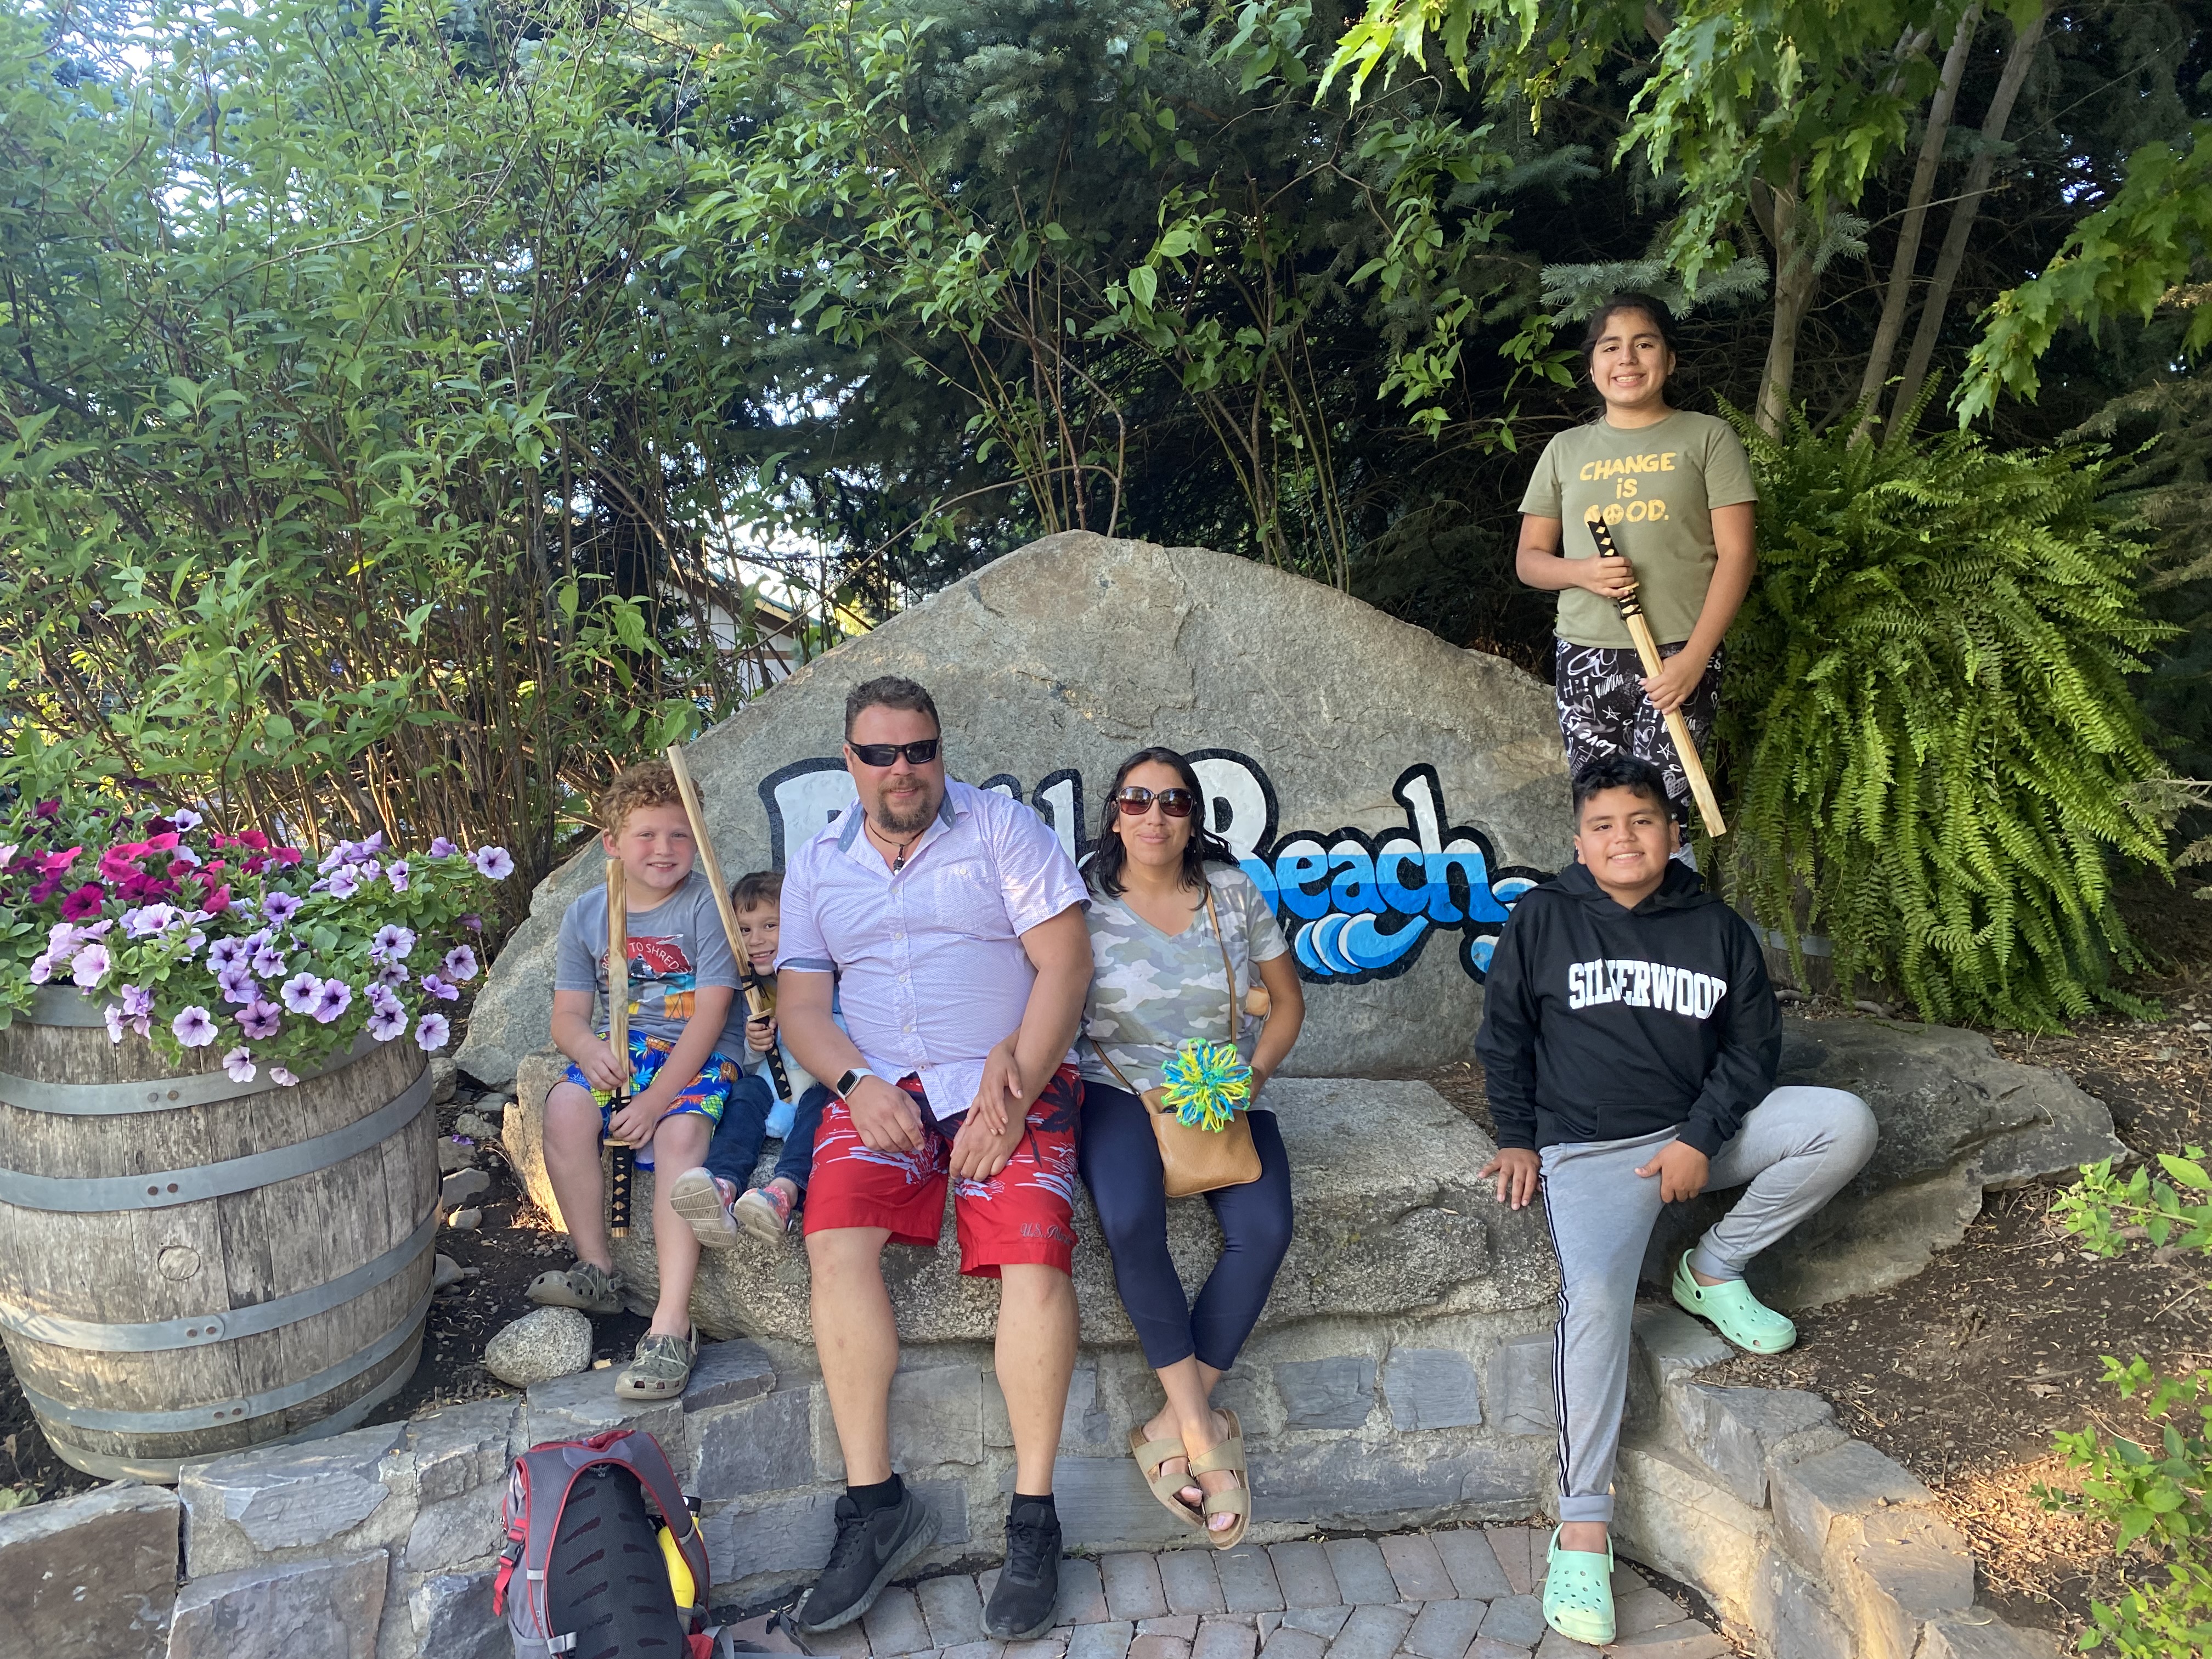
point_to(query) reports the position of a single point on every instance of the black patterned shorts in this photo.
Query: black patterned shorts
(1603, 711)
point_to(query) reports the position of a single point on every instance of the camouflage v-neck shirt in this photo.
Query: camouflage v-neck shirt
(1151, 992)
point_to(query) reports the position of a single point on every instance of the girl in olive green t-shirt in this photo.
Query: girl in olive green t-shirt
(1676, 490)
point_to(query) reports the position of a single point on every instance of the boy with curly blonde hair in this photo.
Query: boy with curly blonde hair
(686, 1035)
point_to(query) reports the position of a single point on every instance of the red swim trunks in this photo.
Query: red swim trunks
(1024, 1213)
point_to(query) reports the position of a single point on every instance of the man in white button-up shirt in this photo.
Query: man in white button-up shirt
(951, 922)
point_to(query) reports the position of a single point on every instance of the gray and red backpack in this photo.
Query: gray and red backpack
(602, 1559)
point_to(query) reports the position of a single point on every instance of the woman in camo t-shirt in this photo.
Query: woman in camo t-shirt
(1157, 980)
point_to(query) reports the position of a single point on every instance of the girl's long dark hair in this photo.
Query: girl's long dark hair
(1204, 848)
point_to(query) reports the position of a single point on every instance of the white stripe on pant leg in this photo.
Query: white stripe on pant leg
(1559, 1349)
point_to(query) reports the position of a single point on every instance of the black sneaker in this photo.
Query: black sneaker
(869, 1552)
(1029, 1585)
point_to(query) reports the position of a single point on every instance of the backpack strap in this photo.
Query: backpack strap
(642, 1454)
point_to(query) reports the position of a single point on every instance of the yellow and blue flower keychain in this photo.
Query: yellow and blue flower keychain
(1205, 1084)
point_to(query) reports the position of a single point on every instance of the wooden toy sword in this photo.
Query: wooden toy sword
(1647, 647)
(622, 1164)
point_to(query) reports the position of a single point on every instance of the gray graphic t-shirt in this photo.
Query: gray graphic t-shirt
(1151, 992)
(674, 948)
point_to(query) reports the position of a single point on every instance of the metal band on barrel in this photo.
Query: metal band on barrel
(153, 1094)
(217, 1413)
(158, 1190)
(198, 1330)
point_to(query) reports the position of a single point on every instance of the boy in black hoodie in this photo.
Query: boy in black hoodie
(1629, 1039)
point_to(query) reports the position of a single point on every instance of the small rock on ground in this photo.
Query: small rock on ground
(539, 1346)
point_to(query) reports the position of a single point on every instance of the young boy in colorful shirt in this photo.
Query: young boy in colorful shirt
(685, 1027)
(1629, 1044)
(709, 1197)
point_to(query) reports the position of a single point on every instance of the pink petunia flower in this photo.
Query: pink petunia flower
(84, 902)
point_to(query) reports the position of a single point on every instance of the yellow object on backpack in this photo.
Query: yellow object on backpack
(679, 1573)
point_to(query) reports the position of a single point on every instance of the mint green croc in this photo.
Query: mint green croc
(1736, 1313)
(1578, 1593)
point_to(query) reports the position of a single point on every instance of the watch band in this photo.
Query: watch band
(845, 1083)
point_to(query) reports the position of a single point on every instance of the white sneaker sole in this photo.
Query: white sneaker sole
(757, 1217)
(696, 1199)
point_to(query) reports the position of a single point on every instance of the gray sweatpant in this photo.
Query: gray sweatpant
(1796, 1149)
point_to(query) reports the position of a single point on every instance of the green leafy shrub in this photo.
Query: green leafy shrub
(2156, 1492)
(1927, 725)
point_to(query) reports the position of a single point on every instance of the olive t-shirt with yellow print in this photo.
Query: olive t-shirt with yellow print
(1656, 486)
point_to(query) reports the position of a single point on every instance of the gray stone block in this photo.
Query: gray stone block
(457, 1532)
(1107, 1641)
(1432, 1388)
(789, 1535)
(1445, 1630)
(1225, 1638)
(1789, 1610)
(92, 1576)
(1327, 1393)
(1190, 1582)
(1371, 1633)
(454, 1618)
(1687, 1640)
(1302, 1575)
(1082, 1599)
(1344, 1483)
(1132, 1586)
(1554, 1646)
(1644, 1608)
(1363, 1578)
(954, 1610)
(894, 1624)
(1247, 1580)
(1519, 1557)
(936, 1417)
(242, 1508)
(1521, 1399)
(1515, 1619)
(948, 1501)
(1907, 1567)
(1183, 1626)
(1948, 1639)
(1324, 1622)
(1159, 1647)
(1418, 1569)
(330, 1607)
(1472, 1564)
(577, 1407)
(1104, 1501)
(1676, 1344)
(1289, 1644)
(975, 1650)
(1733, 1430)
(1810, 1494)
(457, 1448)
(764, 1443)
(726, 1373)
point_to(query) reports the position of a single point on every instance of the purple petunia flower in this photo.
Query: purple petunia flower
(238, 985)
(396, 873)
(268, 961)
(260, 1020)
(184, 818)
(62, 938)
(431, 1032)
(91, 966)
(380, 998)
(334, 998)
(300, 992)
(392, 940)
(344, 883)
(433, 986)
(282, 1078)
(137, 1001)
(391, 972)
(194, 1028)
(113, 1015)
(42, 968)
(388, 1023)
(492, 863)
(225, 951)
(281, 907)
(369, 870)
(473, 922)
(443, 849)
(239, 1062)
(459, 965)
(185, 855)
(152, 919)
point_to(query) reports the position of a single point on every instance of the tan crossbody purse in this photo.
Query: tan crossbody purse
(1197, 1160)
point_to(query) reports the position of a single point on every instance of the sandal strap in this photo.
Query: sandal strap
(1238, 1500)
(1151, 1454)
(1226, 1454)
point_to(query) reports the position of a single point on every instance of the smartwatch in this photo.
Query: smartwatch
(845, 1083)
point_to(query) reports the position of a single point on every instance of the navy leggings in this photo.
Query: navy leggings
(1121, 1164)
(736, 1146)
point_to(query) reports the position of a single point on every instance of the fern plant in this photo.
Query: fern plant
(1934, 753)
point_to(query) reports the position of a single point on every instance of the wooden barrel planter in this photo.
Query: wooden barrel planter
(191, 1266)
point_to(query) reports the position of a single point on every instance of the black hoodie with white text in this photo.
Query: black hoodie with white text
(1603, 1024)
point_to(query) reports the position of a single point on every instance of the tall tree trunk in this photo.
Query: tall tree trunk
(1795, 237)
(1953, 253)
(1892, 326)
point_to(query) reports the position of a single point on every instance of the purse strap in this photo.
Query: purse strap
(1213, 917)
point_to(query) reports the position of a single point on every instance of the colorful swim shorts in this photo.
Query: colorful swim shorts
(706, 1094)
(1024, 1213)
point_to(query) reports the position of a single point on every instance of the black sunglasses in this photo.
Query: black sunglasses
(1133, 802)
(920, 752)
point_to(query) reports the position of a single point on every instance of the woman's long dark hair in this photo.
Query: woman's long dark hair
(1204, 848)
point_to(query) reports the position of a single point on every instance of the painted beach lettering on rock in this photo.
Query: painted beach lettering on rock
(1357, 906)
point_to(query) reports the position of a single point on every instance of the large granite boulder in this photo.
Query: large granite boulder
(1390, 1223)
(1387, 787)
